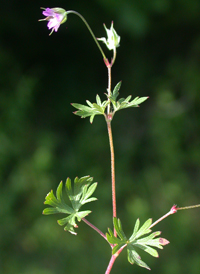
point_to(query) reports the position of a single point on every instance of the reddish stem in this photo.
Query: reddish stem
(112, 170)
(112, 260)
(110, 265)
(95, 228)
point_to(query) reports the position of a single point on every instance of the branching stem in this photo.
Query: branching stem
(173, 210)
(110, 265)
(188, 207)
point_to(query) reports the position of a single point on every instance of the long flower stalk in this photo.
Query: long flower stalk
(90, 30)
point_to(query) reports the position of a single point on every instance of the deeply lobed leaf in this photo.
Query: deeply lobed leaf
(79, 195)
(92, 109)
(135, 241)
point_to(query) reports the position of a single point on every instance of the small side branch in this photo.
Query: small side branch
(95, 228)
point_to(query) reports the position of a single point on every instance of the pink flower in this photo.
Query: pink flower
(55, 17)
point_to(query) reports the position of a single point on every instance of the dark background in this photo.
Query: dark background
(41, 142)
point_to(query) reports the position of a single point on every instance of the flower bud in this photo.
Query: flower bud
(113, 39)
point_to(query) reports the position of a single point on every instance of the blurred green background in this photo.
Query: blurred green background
(41, 142)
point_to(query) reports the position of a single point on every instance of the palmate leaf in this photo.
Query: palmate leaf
(135, 241)
(144, 243)
(124, 103)
(98, 108)
(92, 109)
(79, 195)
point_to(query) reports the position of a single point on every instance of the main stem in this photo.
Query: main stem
(112, 170)
(110, 265)
(113, 258)
(112, 154)
(108, 121)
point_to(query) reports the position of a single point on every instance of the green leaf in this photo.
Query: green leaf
(134, 257)
(153, 252)
(91, 119)
(98, 99)
(118, 228)
(116, 89)
(112, 239)
(135, 241)
(68, 187)
(58, 204)
(89, 104)
(144, 243)
(92, 109)
(124, 103)
(48, 211)
(87, 193)
(79, 195)
(139, 100)
(142, 231)
(150, 239)
(136, 227)
(82, 214)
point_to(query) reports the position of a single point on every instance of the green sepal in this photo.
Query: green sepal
(79, 195)
(92, 109)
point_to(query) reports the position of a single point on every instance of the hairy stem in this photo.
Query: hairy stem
(188, 207)
(108, 121)
(112, 171)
